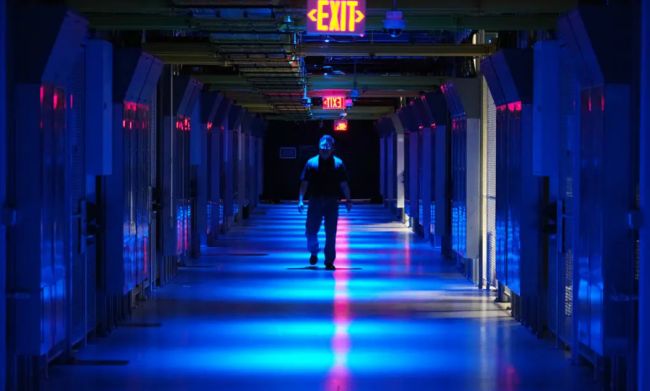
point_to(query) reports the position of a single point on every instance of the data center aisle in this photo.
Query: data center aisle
(247, 318)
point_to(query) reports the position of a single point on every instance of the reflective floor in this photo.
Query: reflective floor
(249, 316)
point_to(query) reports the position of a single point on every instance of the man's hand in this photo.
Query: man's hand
(348, 205)
(301, 207)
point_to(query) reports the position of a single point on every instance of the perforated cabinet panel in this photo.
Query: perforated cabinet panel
(459, 185)
(490, 116)
(563, 297)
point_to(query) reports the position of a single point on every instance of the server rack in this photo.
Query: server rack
(463, 98)
(179, 94)
(217, 167)
(209, 180)
(520, 266)
(235, 170)
(399, 150)
(411, 126)
(39, 264)
(125, 261)
(433, 114)
(605, 190)
(386, 129)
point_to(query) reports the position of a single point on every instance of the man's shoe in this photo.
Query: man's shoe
(330, 266)
(313, 260)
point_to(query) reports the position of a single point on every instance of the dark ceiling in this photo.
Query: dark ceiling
(258, 53)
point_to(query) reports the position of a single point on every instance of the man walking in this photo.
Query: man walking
(324, 175)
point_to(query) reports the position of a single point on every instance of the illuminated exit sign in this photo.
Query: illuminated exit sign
(333, 102)
(336, 16)
(341, 125)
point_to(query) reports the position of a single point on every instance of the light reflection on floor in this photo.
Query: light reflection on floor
(406, 321)
(338, 378)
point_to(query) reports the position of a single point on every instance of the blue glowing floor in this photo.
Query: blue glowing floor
(406, 321)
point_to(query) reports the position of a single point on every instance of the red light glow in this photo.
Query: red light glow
(341, 125)
(333, 102)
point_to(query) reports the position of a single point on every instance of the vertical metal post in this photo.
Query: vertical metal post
(644, 234)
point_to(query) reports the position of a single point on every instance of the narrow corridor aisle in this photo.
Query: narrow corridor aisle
(247, 317)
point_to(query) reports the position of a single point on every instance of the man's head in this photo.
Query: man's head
(325, 146)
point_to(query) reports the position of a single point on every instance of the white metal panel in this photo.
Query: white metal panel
(491, 186)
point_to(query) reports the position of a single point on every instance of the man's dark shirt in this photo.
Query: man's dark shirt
(324, 176)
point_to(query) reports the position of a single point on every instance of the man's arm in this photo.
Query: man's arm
(343, 179)
(303, 190)
(346, 191)
(304, 184)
